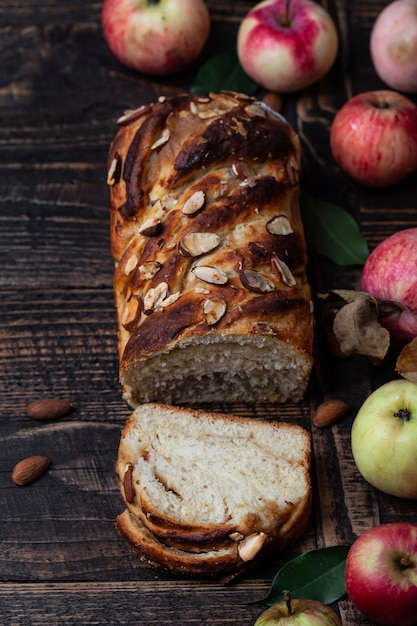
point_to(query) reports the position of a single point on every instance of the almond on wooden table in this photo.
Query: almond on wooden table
(273, 100)
(48, 408)
(330, 412)
(29, 469)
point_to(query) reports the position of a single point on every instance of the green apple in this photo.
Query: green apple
(298, 612)
(384, 439)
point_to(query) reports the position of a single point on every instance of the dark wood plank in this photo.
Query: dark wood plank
(152, 602)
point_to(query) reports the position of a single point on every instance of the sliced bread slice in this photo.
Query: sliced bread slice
(208, 492)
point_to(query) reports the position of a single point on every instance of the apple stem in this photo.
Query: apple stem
(403, 414)
(287, 598)
(404, 562)
(287, 20)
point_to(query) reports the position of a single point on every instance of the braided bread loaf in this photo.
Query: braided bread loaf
(210, 286)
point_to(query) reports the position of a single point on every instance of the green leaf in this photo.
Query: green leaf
(332, 232)
(223, 72)
(314, 575)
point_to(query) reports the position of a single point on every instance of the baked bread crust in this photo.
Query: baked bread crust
(210, 493)
(210, 285)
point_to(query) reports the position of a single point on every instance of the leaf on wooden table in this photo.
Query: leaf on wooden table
(332, 232)
(223, 72)
(314, 575)
(358, 331)
(406, 364)
(355, 324)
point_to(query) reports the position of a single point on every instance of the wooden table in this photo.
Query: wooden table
(61, 91)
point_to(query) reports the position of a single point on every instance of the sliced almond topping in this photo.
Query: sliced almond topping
(250, 181)
(154, 297)
(196, 244)
(194, 203)
(241, 170)
(213, 309)
(131, 264)
(209, 274)
(204, 115)
(279, 225)
(149, 269)
(193, 108)
(113, 175)
(236, 536)
(283, 272)
(239, 127)
(130, 115)
(201, 290)
(254, 281)
(250, 546)
(151, 227)
(165, 135)
(255, 110)
(169, 300)
(132, 312)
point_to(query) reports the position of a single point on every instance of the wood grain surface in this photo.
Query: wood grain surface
(61, 92)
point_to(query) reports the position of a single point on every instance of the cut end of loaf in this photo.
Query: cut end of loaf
(209, 493)
(210, 284)
(220, 368)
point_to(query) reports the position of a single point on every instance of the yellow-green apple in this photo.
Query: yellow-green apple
(390, 275)
(393, 45)
(373, 137)
(287, 45)
(381, 573)
(298, 612)
(384, 439)
(158, 37)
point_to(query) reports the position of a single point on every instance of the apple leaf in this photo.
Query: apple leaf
(332, 232)
(356, 326)
(314, 575)
(406, 364)
(223, 72)
(358, 331)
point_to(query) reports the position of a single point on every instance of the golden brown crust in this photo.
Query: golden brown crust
(155, 553)
(202, 186)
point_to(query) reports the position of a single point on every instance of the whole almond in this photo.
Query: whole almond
(330, 412)
(48, 408)
(29, 469)
(273, 100)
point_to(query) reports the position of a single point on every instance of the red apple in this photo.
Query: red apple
(286, 45)
(373, 138)
(157, 37)
(390, 275)
(298, 612)
(381, 573)
(393, 45)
